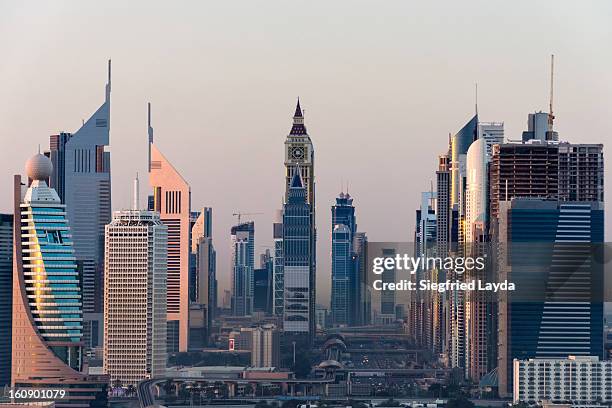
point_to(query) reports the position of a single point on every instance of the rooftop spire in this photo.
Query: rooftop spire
(298, 110)
(108, 83)
(298, 127)
(149, 132)
(476, 97)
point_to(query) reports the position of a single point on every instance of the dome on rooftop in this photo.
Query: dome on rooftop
(39, 167)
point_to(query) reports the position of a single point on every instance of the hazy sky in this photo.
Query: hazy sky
(382, 83)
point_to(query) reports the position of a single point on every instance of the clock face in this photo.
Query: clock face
(297, 153)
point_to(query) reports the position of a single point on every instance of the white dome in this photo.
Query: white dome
(39, 167)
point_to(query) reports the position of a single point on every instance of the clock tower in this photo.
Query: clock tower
(299, 268)
(299, 153)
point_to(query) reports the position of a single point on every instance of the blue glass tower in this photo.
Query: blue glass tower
(345, 282)
(298, 316)
(554, 251)
(243, 264)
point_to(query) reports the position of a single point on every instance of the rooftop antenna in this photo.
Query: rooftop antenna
(476, 97)
(136, 193)
(149, 132)
(551, 116)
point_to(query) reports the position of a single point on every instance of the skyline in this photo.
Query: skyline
(229, 112)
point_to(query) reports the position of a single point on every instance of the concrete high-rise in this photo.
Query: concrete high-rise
(299, 157)
(298, 317)
(265, 346)
(563, 171)
(47, 332)
(135, 297)
(243, 267)
(172, 200)
(6, 296)
(82, 179)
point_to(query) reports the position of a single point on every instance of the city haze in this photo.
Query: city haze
(382, 85)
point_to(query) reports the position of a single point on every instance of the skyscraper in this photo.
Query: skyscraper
(82, 179)
(243, 266)
(6, 296)
(278, 295)
(299, 155)
(422, 303)
(172, 200)
(551, 250)
(47, 348)
(135, 296)
(345, 285)
(205, 266)
(263, 285)
(298, 318)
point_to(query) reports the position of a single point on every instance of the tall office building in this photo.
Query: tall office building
(345, 284)
(243, 267)
(205, 266)
(363, 296)
(278, 294)
(299, 156)
(342, 275)
(6, 296)
(47, 348)
(82, 178)
(135, 272)
(421, 313)
(550, 250)
(298, 317)
(172, 200)
(263, 285)
(479, 309)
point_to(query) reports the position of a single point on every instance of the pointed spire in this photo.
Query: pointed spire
(149, 132)
(476, 97)
(298, 110)
(298, 127)
(108, 83)
(136, 194)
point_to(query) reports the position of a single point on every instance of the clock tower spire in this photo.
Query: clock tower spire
(299, 165)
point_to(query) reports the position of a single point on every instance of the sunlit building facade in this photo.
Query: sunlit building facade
(47, 348)
(172, 200)
(135, 297)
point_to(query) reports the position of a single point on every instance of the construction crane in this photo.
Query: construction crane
(551, 116)
(240, 214)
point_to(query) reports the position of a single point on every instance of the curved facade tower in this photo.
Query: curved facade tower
(47, 296)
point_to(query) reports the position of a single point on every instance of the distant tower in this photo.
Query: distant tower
(344, 274)
(172, 199)
(299, 156)
(243, 267)
(278, 278)
(205, 264)
(47, 349)
(82, 178)
(135, 297)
